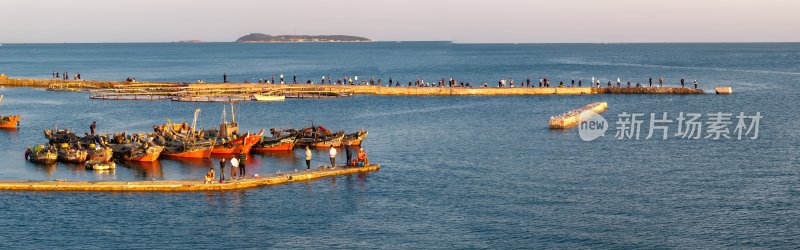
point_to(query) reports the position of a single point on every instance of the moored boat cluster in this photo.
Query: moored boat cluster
(178, 140)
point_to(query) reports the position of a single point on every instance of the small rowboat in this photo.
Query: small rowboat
(99, 165)
(268, 98)
(276, 144)
(137, 152)
(72, 155)
(11, 121)
(334, 140)
(45, 157)
(355, 139)
(102, 154)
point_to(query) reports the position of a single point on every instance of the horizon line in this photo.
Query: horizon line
(414, 41)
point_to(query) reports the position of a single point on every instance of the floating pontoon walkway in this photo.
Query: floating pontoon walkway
(181, 185)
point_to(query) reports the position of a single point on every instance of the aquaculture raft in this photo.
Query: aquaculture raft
(181, 185)
(573, 118)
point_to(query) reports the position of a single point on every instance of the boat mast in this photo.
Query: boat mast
(224, 117)
(233, 116)
(194, 122)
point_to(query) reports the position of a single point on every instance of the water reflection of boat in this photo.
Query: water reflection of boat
(146, 169)
(198, 162)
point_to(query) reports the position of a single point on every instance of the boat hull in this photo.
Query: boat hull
(280, 146)
(241, 145)
(196, 154)
(354, 139)
(44, 158)
(146, 157)
(11, 122)
(150, 155)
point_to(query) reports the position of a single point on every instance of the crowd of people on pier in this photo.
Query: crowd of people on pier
(544, 82)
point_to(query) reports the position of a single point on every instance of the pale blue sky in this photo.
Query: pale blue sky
(505, 21)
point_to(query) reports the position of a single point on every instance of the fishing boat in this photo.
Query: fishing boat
(328, 141)
(72, 155)
(268, 98)
(230, 143)
(10, 121)
(197, 150)
(319, 137)
(285, 143)
(181, 141)
(40, 154)
(355, 139)
(99, 165)
(101, 154)
(143, 152)
(242, 144)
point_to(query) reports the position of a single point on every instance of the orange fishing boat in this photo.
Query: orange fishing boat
(11, 121)
(149, 155)
(242, 144)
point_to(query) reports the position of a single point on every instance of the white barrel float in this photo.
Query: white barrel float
(723, 90)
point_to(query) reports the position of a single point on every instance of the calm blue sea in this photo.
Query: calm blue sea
(457, 172)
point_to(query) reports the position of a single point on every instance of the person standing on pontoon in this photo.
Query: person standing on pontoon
(308, 158)
(333, 157)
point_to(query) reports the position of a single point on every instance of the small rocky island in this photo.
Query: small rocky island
(264, 38)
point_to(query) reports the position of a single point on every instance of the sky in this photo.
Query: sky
(491, 21)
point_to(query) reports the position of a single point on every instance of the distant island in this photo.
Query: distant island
(264, 38)
(190, 41)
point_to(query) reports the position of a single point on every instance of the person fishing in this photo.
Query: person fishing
(333, 157)
(234, 167)
(682, 83)
(225, 77)
(93, 127)
(651, 82)
(209, 176)
(349, 154)
(362, 158)
(221, 170)
(242, 161)
(308, 158)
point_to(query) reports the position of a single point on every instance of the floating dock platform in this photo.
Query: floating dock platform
(182, 185)
(573, 118)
